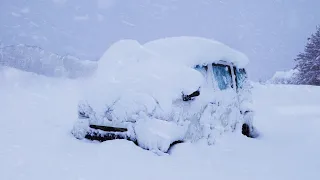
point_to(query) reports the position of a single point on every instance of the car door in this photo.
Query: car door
(244, 96)
(226, 109)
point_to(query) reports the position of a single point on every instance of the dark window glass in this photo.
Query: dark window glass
(240, 77)
(222, 75)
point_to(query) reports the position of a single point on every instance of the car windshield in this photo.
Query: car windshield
(240, 77)
(222, 75)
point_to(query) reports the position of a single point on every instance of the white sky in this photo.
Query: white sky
(270, 32)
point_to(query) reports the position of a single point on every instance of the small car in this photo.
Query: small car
(168, 91)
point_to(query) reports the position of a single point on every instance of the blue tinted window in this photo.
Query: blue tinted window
(222, 75)
(240, 77)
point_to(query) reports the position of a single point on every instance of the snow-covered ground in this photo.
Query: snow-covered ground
(37, 115)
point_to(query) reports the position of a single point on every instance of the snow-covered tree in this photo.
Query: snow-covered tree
(308, 62)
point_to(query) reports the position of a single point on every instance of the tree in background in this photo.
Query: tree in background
(308, 62)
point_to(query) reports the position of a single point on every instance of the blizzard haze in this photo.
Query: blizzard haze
(52, 90)
(271, 32)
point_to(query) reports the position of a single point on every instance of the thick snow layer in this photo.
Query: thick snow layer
(161, 69)
(37, 114)
(157, 135)
(192, 51)
(127, 70)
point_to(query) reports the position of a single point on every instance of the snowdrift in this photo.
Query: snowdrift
(37, 113)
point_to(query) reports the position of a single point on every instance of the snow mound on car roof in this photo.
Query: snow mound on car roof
(195, 50)
(127, 70)
(171, 51)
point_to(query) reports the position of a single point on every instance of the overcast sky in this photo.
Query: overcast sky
(270, 32)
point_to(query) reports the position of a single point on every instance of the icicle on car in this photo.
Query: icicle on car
(167, 91)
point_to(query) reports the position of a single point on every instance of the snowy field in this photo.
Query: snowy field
(37, 115)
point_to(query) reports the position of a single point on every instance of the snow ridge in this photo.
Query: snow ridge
(37, 60)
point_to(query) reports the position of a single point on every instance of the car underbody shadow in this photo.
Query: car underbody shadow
(249, 131)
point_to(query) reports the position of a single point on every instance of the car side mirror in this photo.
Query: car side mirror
(190, 96)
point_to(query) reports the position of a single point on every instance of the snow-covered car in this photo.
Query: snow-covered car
(167, 91)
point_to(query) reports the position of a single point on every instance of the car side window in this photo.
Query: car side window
(241, 75)
(222, 75)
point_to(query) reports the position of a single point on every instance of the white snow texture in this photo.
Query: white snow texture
(37, 113)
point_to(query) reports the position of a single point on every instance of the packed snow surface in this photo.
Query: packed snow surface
(37, 115)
